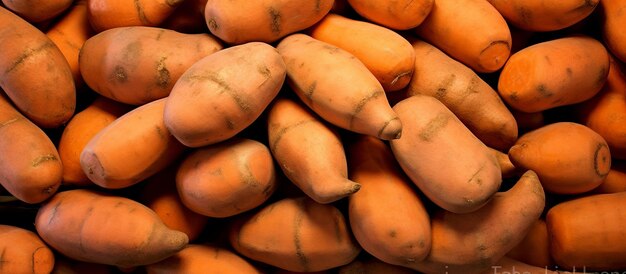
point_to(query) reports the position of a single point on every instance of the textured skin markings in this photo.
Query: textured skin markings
(27, 54)
(141, 13)
(274, 20)
(282, 131)
(597, 160)
(361, 104)
(42, 159)
(163, 74)
(10, 121)
(304, 261)
(434, 126)
(442, 90)
(224, 86)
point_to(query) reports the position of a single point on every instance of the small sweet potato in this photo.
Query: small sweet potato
(22, 251)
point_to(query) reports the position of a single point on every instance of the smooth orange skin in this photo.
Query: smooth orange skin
(541, 15)
(309, 152)
(130, 149)
(226, 179)
(474, 242)
(338, 87)
(36, 11)
(471, 31)
(471, 99)
(554, 73)
(90, 226)
(203, 258)
(296, 234)
(108, 14)
(24, 252)
(534, 249)
(588, 231)
(389, 57)
(387, 217)
(397, 15)
(79, 131)
(69, 34)
(239, 22)
(613, 22)
(615, 181)
(47, 98)
(137, 65)
(64, 265)
(188, 18)
(30, 167)
(435, 140)
(569, 158)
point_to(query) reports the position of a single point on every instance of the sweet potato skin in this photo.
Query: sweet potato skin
(108, 14)
(612, 27)
(397, 15)
(37, 11)
(24, 252)
(203, 258)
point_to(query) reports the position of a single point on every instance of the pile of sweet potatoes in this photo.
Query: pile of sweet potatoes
(282, 136)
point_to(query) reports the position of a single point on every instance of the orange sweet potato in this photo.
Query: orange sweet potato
(64, 265)
(23, 252)
(36, 11)
(434, 141)
(387, 217)
(615, 181)
(471, 31)
(34, 73)
(296, 234)
(613, 21)
(136, 65)
(554, 73)
(95, 227)
(389, 57)
(238, 22)
(108, 14)
(399, 15)
(30, 168)
(338, 87)
(226, 179)
(569, 158)
(372, 266)
(203, 258)
(506, 166)
(131, 148)
(534, 249)
(232, 87)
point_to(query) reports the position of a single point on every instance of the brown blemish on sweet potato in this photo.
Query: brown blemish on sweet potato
(434, 126)
(42, 159)
(361, 104)
(27, 54)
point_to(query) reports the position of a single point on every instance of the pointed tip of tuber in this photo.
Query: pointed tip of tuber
(391, 130)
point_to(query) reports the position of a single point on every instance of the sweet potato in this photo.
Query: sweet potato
(470, 98)
(398, 15)
(64, 265)
(613, 21)
(372, 266)
(296, 234)
(188, 17)
(23, 252)
(80, 130)
(507, 168)
(36, 11)
(435, 140)
(131, 148)
(471, 31)
(35, 75)
(30, 168)
(389, 57)
(203, 258)
(569, 158)
(108, 14)
(615, 180)
(69, 34)
(338, 87)
(605, 113)
(539, 15)
(232, 87)
(136, 65)
(588, 232)
(159, 194)
(473, 242)
(387, 217)
(309, 152)
(95, 227)
(226, 179)
(239, 22)
(534, 249)
(554, 73)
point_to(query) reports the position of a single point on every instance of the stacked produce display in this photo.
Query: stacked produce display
(281, 136)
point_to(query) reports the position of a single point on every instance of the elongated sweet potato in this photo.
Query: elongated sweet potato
(613, 23)
(474, 242)
(34, 73)
(30, 168)
(131, 148)
(554, 73)
(569, 158)
(80, 130)
(224, 93)
(588, 232)
(470, 98)
(534, 249)
(387, 217)
(389, 57)
(399, 15)
(338, 87)
(108, 14)
(95, 227)
(23, 252)
(203, 258)
(435, 140)
(226, 179)
(308, 151)
(471, 31)
(136, 65)
(36, 11)
(296, 234)
(238, 22)
(540, 15)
